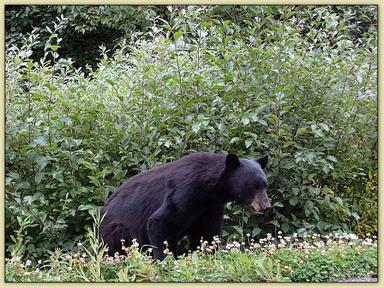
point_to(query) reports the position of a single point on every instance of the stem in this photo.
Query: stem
(278, 108)
(181, 96)
(29, 108)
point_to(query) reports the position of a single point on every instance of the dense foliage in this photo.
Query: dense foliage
(312, 258)
(300, 86)
(89, 26)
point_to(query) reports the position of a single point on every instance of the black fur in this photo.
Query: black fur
(184, 197)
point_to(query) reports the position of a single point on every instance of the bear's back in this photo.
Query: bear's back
(151, 186)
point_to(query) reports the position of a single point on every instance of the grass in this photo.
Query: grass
(308, 258)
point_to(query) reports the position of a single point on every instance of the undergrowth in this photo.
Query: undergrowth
(297, 258)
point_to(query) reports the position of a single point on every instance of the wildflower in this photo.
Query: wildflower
(288, 239)
(134, 243)
(28, 263)
(79, 244)
(353, 236)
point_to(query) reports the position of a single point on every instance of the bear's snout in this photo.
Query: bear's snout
(261, 203)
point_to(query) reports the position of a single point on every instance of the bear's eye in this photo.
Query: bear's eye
(261, 185)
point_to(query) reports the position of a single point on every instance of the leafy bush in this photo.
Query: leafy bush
(303, 93)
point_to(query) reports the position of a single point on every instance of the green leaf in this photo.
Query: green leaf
(332, 158)
(338, 200)
(293, 201)
(248, 143)
(54, 47)
(38, 177)
(355, 215)
(285, 227)
(238, 229)
(256, 231)
(301, 131)
(86, 207)
(110, 82)
(277, 204)
(262, 122)
(234, 140)
(177, 35)
(274, 222)
(324, 126)
(295, 191)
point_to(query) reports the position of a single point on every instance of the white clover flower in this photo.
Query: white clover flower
(353, 236)
(236, 244)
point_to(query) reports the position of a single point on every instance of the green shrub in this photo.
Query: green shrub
(198, 83)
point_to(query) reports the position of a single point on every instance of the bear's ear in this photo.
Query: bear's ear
(231, 162)
(263, 161)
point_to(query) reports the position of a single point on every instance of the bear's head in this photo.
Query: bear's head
(247, 182)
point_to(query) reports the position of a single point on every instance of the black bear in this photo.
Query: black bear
(184, 197)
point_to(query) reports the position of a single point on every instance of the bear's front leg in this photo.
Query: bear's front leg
(160, 229)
